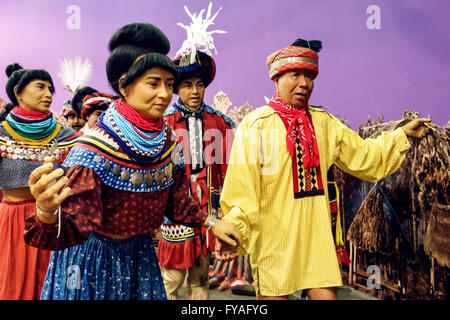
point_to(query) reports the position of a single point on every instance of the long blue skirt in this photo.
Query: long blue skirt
(103, 268)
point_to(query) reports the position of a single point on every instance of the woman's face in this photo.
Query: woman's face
(151, 93)
(36, 96)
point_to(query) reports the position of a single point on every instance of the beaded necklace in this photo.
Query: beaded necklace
(140, 145)
(31, 125)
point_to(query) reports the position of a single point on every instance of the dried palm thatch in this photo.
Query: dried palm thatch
(422, 180)
(372, 230)
(437, 239)
(433, 178)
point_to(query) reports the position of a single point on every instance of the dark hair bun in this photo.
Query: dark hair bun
(11, 68)
(140, 35)
(314, 45)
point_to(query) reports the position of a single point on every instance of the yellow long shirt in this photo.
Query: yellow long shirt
(290, 240)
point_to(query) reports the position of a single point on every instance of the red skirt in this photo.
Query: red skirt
(183, 253)
(22, 267)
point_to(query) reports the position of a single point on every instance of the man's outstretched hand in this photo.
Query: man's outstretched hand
(417, 128)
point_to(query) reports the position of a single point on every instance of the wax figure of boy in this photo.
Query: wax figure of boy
(183, 250)
(275, 188)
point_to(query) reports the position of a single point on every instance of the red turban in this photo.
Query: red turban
(291, 58)
(95, 101)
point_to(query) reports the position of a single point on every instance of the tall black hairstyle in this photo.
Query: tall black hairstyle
(133, 41)
(19, 77)
(77, 99)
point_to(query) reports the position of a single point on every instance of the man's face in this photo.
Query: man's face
(75, 122)
(151, 93)
(93, 118)
(192, 91)
(295, 87)
(36, 96)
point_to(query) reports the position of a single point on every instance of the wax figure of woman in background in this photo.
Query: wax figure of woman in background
(123, 177)
(28, 134)
(278, 200)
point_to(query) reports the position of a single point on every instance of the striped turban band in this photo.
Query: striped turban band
(95, 101)
(291, 58)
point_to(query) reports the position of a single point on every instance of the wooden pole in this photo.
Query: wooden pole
(355, 268)
(432, 276)
(350, 273)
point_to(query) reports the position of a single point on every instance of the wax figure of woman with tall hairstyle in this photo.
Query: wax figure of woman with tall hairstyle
(124, 176)
(28, 133)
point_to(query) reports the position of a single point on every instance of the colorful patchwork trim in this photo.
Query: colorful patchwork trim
(123, 177)
(109, 149)
(307, 183)
(175, 233)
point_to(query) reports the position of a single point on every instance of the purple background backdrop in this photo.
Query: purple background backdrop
(405, 64)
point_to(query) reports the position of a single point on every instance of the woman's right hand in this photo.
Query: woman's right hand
(45, 189)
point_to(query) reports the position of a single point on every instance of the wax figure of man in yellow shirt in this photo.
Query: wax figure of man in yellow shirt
(274, 191)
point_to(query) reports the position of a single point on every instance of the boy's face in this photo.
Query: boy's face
(192, 91)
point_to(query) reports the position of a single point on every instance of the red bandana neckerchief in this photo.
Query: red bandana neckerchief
(302, 146)
(139, 120)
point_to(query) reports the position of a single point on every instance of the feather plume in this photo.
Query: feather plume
(198, 38)
(75, 73)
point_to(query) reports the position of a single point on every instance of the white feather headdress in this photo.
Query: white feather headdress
(198, 38)
(75, 73)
